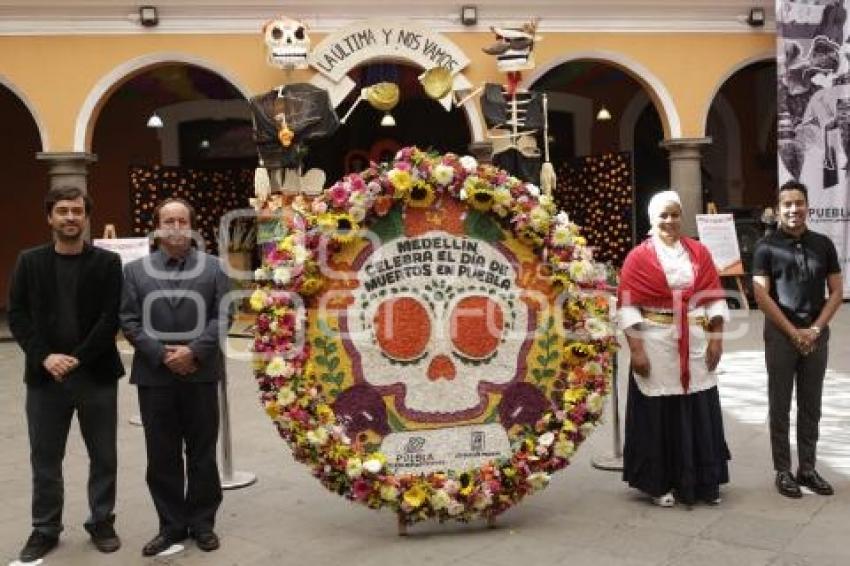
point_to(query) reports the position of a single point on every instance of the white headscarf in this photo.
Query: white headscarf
(657, 204)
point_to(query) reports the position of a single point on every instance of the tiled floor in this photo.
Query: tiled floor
(586, 516)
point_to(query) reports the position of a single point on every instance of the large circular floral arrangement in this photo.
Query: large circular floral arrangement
(343, 414)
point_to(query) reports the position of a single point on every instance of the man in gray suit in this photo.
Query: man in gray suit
(173, 313)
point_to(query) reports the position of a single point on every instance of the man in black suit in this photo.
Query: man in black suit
(173, 313)
(63, 311)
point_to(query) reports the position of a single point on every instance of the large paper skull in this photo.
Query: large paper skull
(287, 43)
(439, 341)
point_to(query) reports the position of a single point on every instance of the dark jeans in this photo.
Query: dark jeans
(786, 366)
(182, 414)
(50, 409)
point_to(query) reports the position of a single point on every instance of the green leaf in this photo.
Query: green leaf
(395, 424)
(537, 374)
(481, 226)
(390, 226)
(331, 348)
(542, 360)
(333, 363)
(322, 361)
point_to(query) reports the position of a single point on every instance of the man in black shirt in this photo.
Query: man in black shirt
(792, 270)
(63, 311)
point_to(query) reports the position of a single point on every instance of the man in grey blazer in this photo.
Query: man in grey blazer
(173, 313)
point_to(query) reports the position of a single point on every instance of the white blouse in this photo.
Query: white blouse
(661, 340)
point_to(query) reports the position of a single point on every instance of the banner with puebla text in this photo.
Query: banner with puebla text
(813, 130)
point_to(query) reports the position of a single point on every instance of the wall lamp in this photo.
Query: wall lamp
(756, 17)
(148, 16)
(469, 15)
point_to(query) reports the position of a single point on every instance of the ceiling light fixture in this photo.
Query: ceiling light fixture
(603, 115)
(388, 121)
(155, 121)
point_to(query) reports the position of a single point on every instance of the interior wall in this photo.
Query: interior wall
(120, 139)
(23, 185)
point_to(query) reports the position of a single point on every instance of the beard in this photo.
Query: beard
(68, 233)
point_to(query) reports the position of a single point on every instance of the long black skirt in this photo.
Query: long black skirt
(675, 443)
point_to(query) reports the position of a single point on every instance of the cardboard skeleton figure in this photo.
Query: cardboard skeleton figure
(287, 118)
(514, 116)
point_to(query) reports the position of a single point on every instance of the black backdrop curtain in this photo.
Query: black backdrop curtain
(596, 191)
(212, 192)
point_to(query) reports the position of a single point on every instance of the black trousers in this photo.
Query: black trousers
(50, 409)
(186, 494)
(786, 366)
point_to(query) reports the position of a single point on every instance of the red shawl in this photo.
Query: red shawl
(643, 284)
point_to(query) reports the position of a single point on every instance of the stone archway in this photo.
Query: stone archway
(24, 99)
(655, 88)
(87, 116)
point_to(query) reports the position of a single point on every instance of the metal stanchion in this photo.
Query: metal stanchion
(614, 462)
(229, 479)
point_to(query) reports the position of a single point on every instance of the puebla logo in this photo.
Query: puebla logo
(431, 337)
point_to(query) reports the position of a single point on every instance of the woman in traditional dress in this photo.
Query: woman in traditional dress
(672, 310)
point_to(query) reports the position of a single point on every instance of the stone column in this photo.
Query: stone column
(67, 168)
(686, 177)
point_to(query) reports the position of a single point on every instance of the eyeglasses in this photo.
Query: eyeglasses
(800, 259)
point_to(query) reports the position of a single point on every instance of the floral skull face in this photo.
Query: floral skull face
(439, 341)
(287, 43)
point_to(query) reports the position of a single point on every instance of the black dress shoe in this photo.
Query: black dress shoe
(207, 541)
(104, 537)
(815, 482)
(37, 546)
(786, 485)
(160, 543)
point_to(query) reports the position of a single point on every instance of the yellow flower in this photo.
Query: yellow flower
(565, 447)
(421, 195)
(325, 413)
(389, 492)
(578, 352)
(502, 197)
(539, 219)
(400, 179)
(311, 285)
(440, 500)
(595, 402)
(272, 408)
(277, 367)
(317, 436)
(415, 496)
(258, 300)
(562, 236)
(286, 244)
(354, 468)
(286, 396)
(480, 195)
(573, 396)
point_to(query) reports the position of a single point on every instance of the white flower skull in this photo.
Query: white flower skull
(287, 43)
(439, 341)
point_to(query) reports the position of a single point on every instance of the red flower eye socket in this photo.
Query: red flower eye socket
(402, 327)
(476, 325)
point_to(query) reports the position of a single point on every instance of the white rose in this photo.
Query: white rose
(443, 174)
(546, 439)
(469, 163)
(533, 189)
(373, 466)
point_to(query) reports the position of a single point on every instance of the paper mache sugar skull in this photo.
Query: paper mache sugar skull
(440, 345)
(514, 47)
(287, 43)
